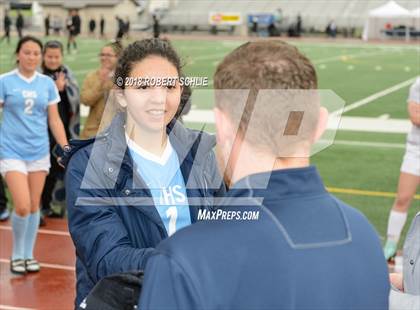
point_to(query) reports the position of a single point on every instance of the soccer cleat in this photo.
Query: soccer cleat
(390, 249)
(32, 265)
(17, 266)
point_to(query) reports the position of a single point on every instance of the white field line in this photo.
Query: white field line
(6, 307)
(43, 231)
(44, 265)
(364, 124)
(369, 124)
(368, 144)
(375, 96)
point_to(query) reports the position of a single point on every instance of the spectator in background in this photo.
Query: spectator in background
(57, 25)
(331, 30)
(92, 26)
(299, 25)
(47, 25)
(254, 26)
(102, 26)
(121, 28)
(156, 27)
(96, 87)
(7, 23)
(405, 292)
(4, 212)
(73, 27)
(127, 28)
(68, 108)
(19, 24)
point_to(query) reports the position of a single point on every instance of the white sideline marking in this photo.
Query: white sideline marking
(44, 265)
(43, 231)
(370, 124)
(375, 96)
(352, 123)
(368, 144)
(6, 307)
(384, 116)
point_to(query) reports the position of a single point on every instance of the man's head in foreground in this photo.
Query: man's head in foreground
(267, 111)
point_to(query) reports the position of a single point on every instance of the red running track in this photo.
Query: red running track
(54, 286)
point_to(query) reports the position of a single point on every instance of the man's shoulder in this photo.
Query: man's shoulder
(355, 218)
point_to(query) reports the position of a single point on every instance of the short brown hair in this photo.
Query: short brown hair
(265, 65)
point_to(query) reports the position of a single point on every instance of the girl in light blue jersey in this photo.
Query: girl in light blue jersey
(144, 177)
(29, 100)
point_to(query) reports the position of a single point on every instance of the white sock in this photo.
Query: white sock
(396, 223)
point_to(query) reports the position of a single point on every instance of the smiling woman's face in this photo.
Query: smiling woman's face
(152, 108)
(29, 56)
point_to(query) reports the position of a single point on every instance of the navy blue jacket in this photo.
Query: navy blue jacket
(307, 250)
(112, 219)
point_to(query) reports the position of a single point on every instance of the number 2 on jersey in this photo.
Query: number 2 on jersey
(29, 103)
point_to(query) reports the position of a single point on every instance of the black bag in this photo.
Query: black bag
(116, 292)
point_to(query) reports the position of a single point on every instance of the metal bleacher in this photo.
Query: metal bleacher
(315, 13)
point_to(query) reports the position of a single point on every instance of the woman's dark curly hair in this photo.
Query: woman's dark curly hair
(139, 50)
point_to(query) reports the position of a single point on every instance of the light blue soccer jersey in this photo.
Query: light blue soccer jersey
(164, 179)
(24, 127)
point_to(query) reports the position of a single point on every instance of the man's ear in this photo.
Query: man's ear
(322, 124)
(119, 95)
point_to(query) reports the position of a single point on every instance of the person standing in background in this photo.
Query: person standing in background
(47, 25)
(102, 26)
(92, 26)
(409, 176)
(19, 24)
(127, 28)
(299, 25)
(96, 87)
(156, 27)
(7, 23)
(68, 108)
(73, 26)
(121, 28)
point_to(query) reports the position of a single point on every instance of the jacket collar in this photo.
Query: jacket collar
(280, 184)
(190, 146)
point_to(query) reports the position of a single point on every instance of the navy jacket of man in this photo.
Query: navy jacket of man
(114, 225)
(307, 250)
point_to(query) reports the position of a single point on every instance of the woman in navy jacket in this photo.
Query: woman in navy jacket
(115, 216)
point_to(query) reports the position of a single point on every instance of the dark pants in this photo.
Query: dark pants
(3, 197)
(56, 173)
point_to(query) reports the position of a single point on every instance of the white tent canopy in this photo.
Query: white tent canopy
(389, 13)
(415, 13)
(389, 10)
